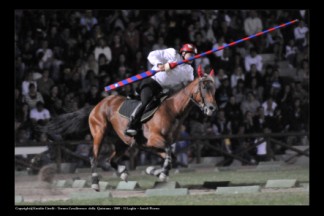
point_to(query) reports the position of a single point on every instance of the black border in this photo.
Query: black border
(315, 131)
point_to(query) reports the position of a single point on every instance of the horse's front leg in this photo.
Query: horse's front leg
(166, 165)
(163, 172)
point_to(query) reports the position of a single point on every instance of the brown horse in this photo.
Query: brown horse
(160, 131)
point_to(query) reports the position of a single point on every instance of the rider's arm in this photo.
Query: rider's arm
(159, 58)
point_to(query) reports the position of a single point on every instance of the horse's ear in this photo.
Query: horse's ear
(212, 72)
(199, 71)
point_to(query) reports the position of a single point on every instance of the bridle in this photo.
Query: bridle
(202, 93)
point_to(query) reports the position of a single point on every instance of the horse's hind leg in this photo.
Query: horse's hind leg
(97, 139)
(120, 148)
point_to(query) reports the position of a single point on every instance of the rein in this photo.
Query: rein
(191, 97)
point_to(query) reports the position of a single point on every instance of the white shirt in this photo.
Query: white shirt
(300, 32)
(257, 60)
(262, 147)
(220, 52)
(25, 86)
(44, 114)
(235, 78)
(48, 53)
(252, 25)
(290, 50)
(175, 78)
(104, 50)
(268, 112)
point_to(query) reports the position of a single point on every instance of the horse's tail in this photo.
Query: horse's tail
(68, 123)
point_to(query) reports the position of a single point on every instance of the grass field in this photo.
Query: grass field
(278, 198)
(275, 197)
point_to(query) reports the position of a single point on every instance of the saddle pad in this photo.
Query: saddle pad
(127, 108)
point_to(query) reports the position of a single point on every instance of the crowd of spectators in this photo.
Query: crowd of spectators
(65, 58)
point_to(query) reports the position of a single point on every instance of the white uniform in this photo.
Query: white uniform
(175, 78)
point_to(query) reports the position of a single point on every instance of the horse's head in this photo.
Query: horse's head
(204, 95)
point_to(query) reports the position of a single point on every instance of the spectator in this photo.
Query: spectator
(274, 43)
(239, 91)
(241, 144)
(83, 150)
(297, 116)
(257, 89)
(291, 53)
(20, 69)
(103, 48)
(267, 79)
(300, 35)
(139, 65)
(22, 117)
(233, 111)
(56, 108)
(25, 84)
(276, 86)
(39, 115)
(93, 97)
(45, 83)
(250, 104)
(159, 45)
(248, 122)
(33, 97)
(90, 64)
(252, 25)
(88, 20)
(260, 120)
(237, 75)
(219, 54)
(221, 75)
(226, 61)
(118, 47)
(253, 73)
(299, 92)
(132, 38)
(286, 96)
(302, 74)
(90, 80)
(223, 126)
(223, 92)
(45, 55)
(269, 106)
(180, 147)
(262, 148)
(121, 62)
(253, 58)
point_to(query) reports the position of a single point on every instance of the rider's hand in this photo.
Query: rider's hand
(167, 67)
(161, 67)
(164, 67)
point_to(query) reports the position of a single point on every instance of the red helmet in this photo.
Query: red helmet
(189, 48)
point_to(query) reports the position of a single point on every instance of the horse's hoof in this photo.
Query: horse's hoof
(149, 170)
(163, 177)
(95, 187)
(124, 176)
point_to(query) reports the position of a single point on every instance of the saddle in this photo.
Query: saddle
(130, 104)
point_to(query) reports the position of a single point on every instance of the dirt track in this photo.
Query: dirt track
(33, 189)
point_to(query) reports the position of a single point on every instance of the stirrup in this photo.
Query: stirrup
(130, 132)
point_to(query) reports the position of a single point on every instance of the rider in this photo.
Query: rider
(172, 79)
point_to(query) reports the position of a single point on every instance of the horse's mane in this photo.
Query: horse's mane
(206, 76)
